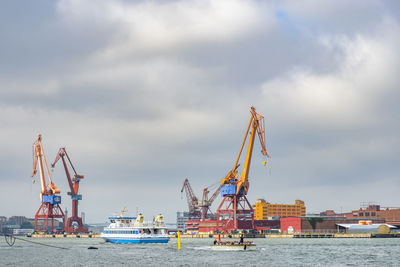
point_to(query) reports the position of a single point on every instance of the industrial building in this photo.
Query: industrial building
(390, 215)
(319, 224)
(196, 226)
(181, 220)
(265, 210)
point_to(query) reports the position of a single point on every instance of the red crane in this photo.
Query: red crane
(205, 203)
(49, 209)
(74, 223)
(193, 202)
(199, 209)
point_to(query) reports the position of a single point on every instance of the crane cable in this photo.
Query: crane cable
(10, 240)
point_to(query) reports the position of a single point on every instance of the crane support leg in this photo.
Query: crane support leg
(235, 213)
(45, 213)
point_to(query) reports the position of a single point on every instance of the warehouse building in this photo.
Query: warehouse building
(264, 210)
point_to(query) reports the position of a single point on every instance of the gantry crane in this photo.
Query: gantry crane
(49, 208)
(74, 223)
(235, 211)
(199, 209)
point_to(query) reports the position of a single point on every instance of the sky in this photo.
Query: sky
(144, 94)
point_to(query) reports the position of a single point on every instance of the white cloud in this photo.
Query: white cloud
(348, 96)
(148, 27)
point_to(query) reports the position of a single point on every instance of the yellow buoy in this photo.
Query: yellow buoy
(179, 240)
(265, 162)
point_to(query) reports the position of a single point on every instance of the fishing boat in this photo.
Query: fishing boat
(124, 229)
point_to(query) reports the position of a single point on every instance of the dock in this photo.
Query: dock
(80, 235)
(300, 235)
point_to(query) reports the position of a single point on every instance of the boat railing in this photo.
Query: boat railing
(150, 224)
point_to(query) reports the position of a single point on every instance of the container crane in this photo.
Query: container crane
(74, 223)
(49, 208)
(235, 211)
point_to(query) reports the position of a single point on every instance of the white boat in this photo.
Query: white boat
(134, 230)
(233, 246)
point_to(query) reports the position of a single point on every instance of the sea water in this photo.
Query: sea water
(197, 252)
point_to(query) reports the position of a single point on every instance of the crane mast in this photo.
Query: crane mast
(74, 223)
(49, 208)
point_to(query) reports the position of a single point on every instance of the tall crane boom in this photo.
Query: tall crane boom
(256, 125)
(40, 159)
(214, 196)
(72, 182)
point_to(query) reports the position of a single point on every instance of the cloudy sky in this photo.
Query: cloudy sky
(144, 94)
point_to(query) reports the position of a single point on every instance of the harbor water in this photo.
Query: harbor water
(196, 252)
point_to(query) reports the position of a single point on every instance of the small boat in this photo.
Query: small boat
(234, 246)
(124, 229)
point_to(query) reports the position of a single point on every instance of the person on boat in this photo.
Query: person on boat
(241, 239)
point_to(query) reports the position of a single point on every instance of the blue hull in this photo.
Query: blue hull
(136, 241)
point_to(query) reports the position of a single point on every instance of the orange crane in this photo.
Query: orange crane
(49, 208)
(74, 223)
(235, 211)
